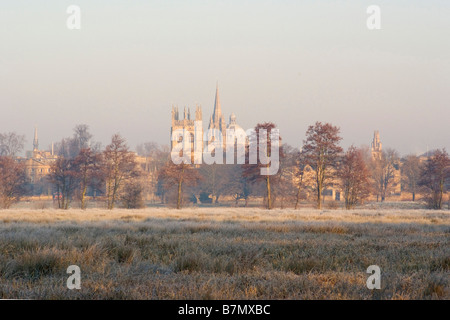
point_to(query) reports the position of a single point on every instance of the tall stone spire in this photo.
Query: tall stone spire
(35, 140)
(217, 114)
(217, 119)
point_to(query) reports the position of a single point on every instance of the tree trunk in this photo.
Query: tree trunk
(319, 195)
(83, 197)
(298, 197)
(114, 194)
(441, 193)
(269, 200)
(179, 194)
(347, 199)
(108, 193)
(58, 194)
(298, 192)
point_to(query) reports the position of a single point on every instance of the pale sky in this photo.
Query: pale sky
(289, 62)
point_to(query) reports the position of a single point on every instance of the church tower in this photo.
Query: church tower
(376, 145)
(192, 131)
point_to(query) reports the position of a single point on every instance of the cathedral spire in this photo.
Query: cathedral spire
(35, 140)
(217, 114)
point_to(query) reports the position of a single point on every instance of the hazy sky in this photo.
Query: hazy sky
(290, 62)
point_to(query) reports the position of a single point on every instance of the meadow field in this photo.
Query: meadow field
(224, 253)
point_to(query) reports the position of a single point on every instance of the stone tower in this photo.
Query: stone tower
(217, 120)
(192, 131)
(376, 145)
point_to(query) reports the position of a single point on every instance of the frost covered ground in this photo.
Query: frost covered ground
(225, 253)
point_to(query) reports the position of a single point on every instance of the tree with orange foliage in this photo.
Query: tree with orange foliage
(87, 163)
(321, 150)
(12, 181)
(354, 177)
(63, 176)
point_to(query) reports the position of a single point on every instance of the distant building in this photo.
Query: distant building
(37, 166)
(193, 127)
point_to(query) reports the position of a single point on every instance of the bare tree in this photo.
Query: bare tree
(383, 172)
(148, 149)
(238, 187)
(156, 156)
(82, 137)
(435, 177)
(287, 189)
(252, 172)
(411, 171)
(87, 164)
(224, 180)
(304, 178)
(321, 149)
(178, 175)
(11, 144)
(132, 195)
(63, 175)
(216, 180)
(12, 181)
(67, 148)
(354, 177)
(119, 166)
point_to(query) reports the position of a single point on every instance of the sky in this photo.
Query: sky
(289, 62)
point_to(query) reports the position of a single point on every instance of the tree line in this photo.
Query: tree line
(116, 175)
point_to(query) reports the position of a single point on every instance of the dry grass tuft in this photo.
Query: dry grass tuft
(436, 288)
